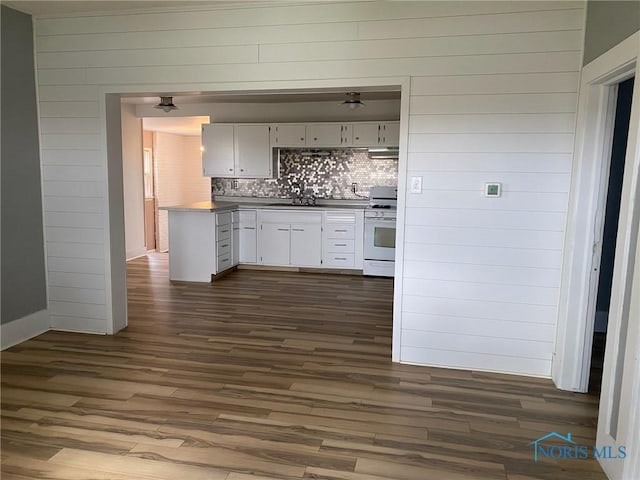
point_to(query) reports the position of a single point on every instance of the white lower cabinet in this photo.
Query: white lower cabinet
(342, 241)
(274, 243)
(248, 241)
(290, 238)
(192, 245)
(306, 245)
(224, 242)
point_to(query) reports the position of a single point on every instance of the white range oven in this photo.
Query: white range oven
(380, 232)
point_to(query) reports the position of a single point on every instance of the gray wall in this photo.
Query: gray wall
(608, 23)
(23, 268)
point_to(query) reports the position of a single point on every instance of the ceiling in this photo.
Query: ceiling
(176, 125)
(56, 7)
(267, 97)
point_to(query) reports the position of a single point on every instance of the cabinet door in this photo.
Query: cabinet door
(252, 151)
(235, 245)
(324, 134)
(274, 244)
(288, 135)
(248, 245)
(306, 245)
(218, 150)
(248, 238)
(390, 134)
(365, 134)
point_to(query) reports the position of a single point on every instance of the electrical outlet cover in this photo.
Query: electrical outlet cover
(416, 184)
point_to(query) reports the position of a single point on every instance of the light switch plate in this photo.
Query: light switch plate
(492, 189)
(416, 184)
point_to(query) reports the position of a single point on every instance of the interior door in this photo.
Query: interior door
(618, 438)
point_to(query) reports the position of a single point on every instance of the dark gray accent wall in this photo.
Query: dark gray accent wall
(608, 23)
(23, 268)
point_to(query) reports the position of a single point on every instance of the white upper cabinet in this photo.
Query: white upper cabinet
(365, 134)
(376, 134)
(324, 134)
(389, 134)
(236, 150)
(288, 135)
(218, 157)
(334, 134)
(253, 152)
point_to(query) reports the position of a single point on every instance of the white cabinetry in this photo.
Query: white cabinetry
(306, 245)
(235, 238)
(328, 135)
(236, 150)
(290, 238)
(247, 252)
(342, 239)
(288, 135)
(192, 245)
(376, 134)
(224, 242)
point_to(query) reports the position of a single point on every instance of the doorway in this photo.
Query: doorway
(149, 191)
(610, 230)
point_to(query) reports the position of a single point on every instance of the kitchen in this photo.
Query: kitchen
(303, 181)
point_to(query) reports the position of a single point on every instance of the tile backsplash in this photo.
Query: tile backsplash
(328, 176)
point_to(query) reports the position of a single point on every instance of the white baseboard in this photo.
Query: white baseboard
(24, 328)
(136, 252)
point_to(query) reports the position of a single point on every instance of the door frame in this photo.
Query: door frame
(585, 217)
(108, 98)
(576, 314)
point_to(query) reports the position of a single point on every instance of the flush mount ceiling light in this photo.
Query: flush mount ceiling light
(166, 104)
(353, 101)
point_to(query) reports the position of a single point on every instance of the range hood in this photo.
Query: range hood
(383, 152)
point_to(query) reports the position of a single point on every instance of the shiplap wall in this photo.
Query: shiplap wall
(178, 177)
(492, 98)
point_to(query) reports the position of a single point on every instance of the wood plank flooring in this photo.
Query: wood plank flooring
(269, 375)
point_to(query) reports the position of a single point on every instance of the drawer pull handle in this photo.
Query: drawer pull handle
(298, 229)
(283, 229)
(340, 244)
(341, 231)
(224, 231)
(249, 228)
(340, 258)
(225, 245)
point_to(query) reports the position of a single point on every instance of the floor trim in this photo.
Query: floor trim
(24, 328)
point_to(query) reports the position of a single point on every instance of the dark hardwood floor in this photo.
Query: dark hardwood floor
(269, 375)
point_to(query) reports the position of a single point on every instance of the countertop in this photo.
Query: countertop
(283, 204)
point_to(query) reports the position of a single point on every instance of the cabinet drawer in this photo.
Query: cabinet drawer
(223, 246)
(345, 260)
(288, 216)
(247, 218)
(339, 246)
(224, 262)
(223, 218)
(341, 230)
(223, 232)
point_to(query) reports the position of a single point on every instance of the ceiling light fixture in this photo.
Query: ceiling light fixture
(166, 104)
(353, 101)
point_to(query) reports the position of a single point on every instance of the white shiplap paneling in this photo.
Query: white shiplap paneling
(493, 98)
